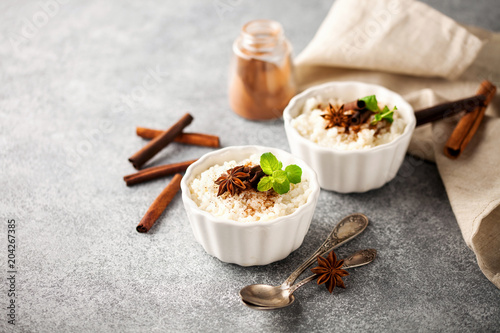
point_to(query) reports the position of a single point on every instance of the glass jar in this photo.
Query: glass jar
(261, 79)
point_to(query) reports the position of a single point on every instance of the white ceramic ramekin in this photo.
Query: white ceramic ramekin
(350, 170)
(249, 243)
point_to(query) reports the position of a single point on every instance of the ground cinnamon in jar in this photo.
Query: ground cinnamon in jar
(261, 78)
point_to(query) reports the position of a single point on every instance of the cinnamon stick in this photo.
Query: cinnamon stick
(160, 142)
(156, 172)
(198, 139)
(356, 105)
(160, 203)
(360, 116)
(448, 109)
(468, 125)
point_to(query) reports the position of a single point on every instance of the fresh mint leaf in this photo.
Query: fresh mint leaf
(384, 114)
(293, 173)
(371, 103)
(389, 115)
(269, 163)
(265, 184)
(282, 188)
(279, 176)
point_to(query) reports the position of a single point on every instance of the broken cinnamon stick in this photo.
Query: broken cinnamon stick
(448, 109)
(360, 116)
(156, 172)
(160, 142)
(160, 203)
(469, 123)
(197, 139)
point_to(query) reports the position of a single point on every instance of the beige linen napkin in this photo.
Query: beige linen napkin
(427, 57)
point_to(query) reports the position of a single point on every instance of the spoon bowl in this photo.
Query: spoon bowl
(263, 308)
(259, 291)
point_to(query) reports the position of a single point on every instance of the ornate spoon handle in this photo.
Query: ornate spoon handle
(359, 258)
(344, 231)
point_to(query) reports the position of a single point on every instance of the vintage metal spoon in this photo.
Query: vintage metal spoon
(285, 296)
(348, 228)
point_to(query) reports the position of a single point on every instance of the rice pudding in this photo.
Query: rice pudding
(311, 125)
(249, 204)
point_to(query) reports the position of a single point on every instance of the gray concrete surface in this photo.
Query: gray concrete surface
(73, 88)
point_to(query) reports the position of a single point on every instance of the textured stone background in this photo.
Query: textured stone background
(71, 95)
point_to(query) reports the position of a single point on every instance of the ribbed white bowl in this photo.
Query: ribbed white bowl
(249, 243)
(350, 170)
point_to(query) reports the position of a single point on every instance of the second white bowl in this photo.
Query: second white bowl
(350, 170)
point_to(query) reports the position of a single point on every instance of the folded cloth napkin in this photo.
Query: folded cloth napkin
(427, 57)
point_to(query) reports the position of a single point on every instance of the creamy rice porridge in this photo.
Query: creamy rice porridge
(311, 125)
(248, 205)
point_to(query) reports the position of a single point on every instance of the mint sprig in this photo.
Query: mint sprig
(384, 114)
(277, 179)
(372, 105)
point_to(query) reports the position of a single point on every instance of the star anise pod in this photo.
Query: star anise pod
(336, 117)
(330, 271)
(232, 181)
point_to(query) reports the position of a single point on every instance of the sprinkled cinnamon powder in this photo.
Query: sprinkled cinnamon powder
(256, 202)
